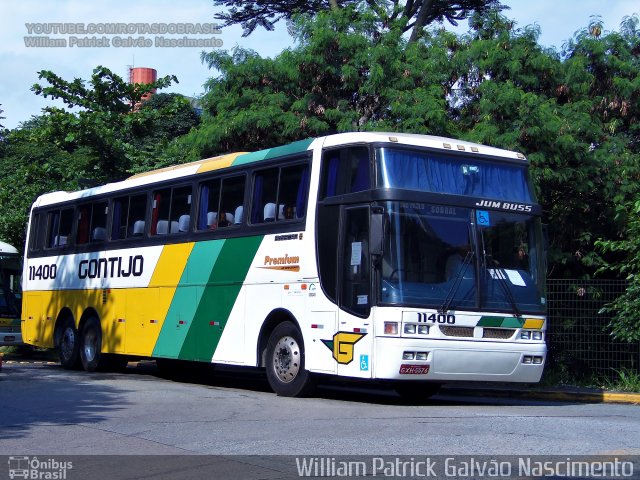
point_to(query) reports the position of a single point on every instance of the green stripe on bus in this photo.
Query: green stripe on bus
(292, 148)
(504, 322)
(186, 298)
(219, 297)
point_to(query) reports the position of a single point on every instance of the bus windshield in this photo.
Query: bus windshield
(10, 291)
(438, 256)
(427, 171)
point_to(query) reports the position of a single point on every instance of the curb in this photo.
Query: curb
(551, 395)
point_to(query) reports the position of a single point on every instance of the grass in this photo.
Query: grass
(620, 380)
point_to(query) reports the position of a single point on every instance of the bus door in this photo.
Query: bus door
(353, 341)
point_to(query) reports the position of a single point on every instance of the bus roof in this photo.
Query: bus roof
(6, 248)
(241, 158)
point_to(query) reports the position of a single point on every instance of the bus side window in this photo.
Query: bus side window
(232, 196)
(84, 224)
(180, 210)
(293, 192)
(280, 194)
(59, 227)
(35, 242)
(99, 213)
(136, 216)
(345, 170)
(265, 195)
(208, 204)
(160, 212)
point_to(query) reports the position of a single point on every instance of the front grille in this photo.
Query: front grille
(457, 331)
(498, 333)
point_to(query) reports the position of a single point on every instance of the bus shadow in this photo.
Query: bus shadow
(75, 400)
(254, 379)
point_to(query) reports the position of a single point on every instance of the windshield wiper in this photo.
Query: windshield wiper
(457, 281)
(500, 276)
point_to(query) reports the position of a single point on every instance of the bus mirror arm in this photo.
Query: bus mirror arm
(376, 232)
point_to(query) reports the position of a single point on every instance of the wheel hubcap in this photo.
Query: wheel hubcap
(286, 359)
(67, 342)
(90, 347)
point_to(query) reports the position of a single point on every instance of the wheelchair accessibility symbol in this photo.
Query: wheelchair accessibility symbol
(364, 363)
(482, 217)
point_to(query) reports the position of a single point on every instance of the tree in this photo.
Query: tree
(169, 117)
(108, 120)
(107, 139)
(573, 113)
(29, 166)
(414, 15)
(339, 78)
(625, 324)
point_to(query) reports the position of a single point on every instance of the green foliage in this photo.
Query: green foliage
(108, 123)
(413, 15)
(575, 117)
(626, 252)
(105, 133)
(340, 78)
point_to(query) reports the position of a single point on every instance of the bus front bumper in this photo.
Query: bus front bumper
(9, 337)
(451, 360)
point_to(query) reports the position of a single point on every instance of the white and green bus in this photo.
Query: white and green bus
(10, 295)
(410, 259)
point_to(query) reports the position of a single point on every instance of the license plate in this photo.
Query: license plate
(414, 369)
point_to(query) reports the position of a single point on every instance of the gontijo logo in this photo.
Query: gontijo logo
(342, 346)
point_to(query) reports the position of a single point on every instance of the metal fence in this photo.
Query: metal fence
(578, 336)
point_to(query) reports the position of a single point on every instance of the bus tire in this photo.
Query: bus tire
(68, 345)
(417, 391)
(91, 345)
(285, 362)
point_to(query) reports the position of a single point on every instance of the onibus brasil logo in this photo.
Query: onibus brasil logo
(342, 346)
(49, 469)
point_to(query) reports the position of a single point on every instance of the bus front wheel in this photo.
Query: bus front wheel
(285, 362)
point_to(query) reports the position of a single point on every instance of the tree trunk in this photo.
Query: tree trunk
(423, 14)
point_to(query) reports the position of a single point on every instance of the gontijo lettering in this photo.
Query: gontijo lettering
(112, 267)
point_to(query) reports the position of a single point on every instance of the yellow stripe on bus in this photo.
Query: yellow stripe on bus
(216, 163)
(171, 264)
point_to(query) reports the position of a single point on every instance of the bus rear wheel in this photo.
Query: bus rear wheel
(285, 362)
(91, 345)
(68, 345)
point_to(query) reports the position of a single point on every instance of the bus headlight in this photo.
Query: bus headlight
(410, 329)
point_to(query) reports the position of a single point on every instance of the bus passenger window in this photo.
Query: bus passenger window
(84, 224)
(128, 217)
(99, 222)
(160, 211)
(280, 194)
(181, 210)
(59, 227)
(265, 193)
(209, 202)
(232, 196)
